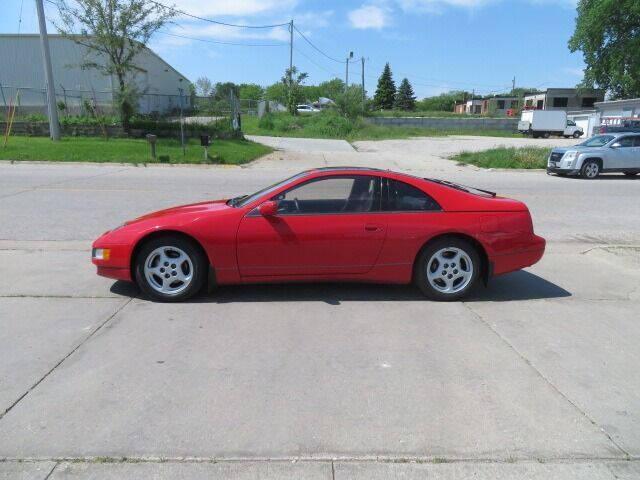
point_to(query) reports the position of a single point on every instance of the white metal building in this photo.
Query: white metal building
(21, 69)
(612, 112)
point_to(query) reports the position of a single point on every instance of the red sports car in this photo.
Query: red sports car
(327, 224)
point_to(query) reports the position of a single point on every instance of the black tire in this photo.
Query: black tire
(577, 134)
(192, 251)
(546, 135)
(630, 174)
(426, 261)
(588, 167)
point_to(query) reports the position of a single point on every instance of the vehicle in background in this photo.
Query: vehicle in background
(307, 109)
(544, 123)
(609, 153)
(626, 125)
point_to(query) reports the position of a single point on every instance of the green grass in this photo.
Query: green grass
(526, 157)
(331, 125)
(125, 150)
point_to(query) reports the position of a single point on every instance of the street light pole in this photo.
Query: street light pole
(54, 125)
(346, 80)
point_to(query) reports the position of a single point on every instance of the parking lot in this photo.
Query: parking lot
(535, 376)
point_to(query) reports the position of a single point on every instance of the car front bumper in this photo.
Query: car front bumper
(563, 171)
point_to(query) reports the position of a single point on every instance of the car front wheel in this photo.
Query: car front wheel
(590, 170)
(447, 269)
(170, 269)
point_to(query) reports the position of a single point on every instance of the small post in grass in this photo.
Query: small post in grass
(205, 141)
(152, 141)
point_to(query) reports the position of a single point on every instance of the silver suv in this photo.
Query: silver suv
(608, 153)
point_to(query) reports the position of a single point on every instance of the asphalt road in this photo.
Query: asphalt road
(533, 377)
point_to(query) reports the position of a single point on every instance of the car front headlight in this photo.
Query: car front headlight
(569, 158)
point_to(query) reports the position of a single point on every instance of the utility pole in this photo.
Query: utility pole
(290, 49)
(54, 126)
(184, 151)
(513, 84)
(364, 96)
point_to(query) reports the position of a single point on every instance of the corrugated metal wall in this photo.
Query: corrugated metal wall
(21, 68)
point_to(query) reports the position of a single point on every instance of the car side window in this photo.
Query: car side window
(402, 197)
(332, 195)
(625, 141)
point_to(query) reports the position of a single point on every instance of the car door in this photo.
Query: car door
(634, 160)
(328, 225)
(622, 154)
(412, 216)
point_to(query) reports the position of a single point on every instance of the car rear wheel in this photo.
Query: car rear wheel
(170, 269)
(447, 269)
(590, 170)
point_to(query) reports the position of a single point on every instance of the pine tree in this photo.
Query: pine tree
(386, 91)
(405, 98)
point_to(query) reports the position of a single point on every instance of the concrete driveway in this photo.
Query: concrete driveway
(534, 377)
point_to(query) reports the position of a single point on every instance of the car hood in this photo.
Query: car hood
(576, 148)
(190, 209)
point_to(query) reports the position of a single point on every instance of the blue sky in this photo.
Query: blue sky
(438, 44)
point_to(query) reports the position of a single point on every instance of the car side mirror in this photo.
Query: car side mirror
(616, 145)
(268, 208)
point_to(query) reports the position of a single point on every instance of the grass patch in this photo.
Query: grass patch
(129, 150)
(526, 157)
(331, 125)
(426, 113)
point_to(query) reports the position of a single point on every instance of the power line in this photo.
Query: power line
(316, 64)
(316, 48)
(205, 40)
(182, 12)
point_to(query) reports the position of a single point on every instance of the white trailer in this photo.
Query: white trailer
(544, 123)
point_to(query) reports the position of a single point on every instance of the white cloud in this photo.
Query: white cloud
(313, 19)
(437, 6)
(219, 8)
(222, 32)
(369, 16)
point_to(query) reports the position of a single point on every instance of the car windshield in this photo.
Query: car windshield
(597, 141)
(243, 200)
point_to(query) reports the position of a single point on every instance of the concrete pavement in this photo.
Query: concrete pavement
(533, 377)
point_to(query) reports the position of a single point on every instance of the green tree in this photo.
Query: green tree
(116, 31)
(204, 86)
(443, 102)
(608, 34)
(251, 91)
(293, 81)
(276, 93)
(331, 88)
(349, 102)
(405, 98)
(386, 91)
(222, 90)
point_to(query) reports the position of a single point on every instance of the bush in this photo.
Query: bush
(266, 121)
(330, 124)
(349, 103)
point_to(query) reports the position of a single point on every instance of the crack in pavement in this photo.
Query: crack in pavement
(75, 349)
(478, 316)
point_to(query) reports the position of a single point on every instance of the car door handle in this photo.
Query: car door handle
(372, 227)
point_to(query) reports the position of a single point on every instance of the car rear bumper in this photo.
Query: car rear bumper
(521, 258)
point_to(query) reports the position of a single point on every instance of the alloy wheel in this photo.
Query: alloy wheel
(449, 270)
(168, 270)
